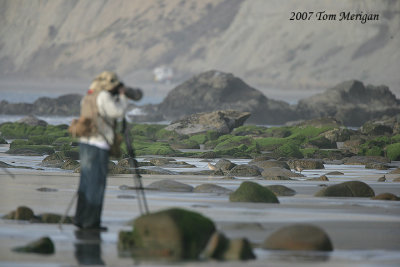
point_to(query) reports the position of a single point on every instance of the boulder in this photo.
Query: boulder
(334, 173)
(52, 218)
(321, 178)
(170, 186)
(274, 172)
(219, 247)
(221, 121)
(376, 166)
(32, 121)
(253, 192)
(244, 170)
(215, 90)
(161, 161)
(386, 196)
(350, 102)
(306, 164)
(70, 164)
(211, 188)
(347, 189)
(225, 165)
(173, 233)
(43, 245)
(281, 190)
(270, 163)
(303, 237)
(21, 213)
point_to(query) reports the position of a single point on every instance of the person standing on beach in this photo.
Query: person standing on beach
(104, 103)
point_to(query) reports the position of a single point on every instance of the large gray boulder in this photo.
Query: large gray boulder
(222, 121)
(215, 90)
(351, 102)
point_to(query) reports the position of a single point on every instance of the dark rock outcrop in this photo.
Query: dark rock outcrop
(214, 90)
(350, 102)
(65, 105)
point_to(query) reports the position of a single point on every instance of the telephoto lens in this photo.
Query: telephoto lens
(133, 93)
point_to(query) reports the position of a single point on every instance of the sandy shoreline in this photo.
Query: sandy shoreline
(362, 231)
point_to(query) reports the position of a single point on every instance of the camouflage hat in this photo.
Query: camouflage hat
(106, 80)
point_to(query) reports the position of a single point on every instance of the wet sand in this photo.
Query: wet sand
(364, 232)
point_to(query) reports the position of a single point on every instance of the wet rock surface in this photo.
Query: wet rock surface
(43, 245)
(168, 234)
(170, 186)
(302, 237)
(347, 189)
(253, 192)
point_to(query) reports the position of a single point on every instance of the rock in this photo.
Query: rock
(244, 171)
(347, 189)
(306, 164)
(52, 218)
(55, 160)
(225, 165)
(221, 121)
(253, 192)
(376, 166)
(274, 172)
(363, 160)
(124, 163)
(376, 129)
(156, 170)
(161, 161)
(168, 234)
(32, 121)
(214, 90)
(350, 102)
(219, 247)
(334, 173)
(396, 179)
(21, 213)
(208, 155)
(338, 134)
(211, 188)
(304, 237)
(170, 186)
(386, 196)
(395, 171)
(70, 164)
(46, 189)
(271, 163)
(281, 190)
(321, 178)
(43, 245)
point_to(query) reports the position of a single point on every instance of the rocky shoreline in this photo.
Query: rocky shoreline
(350, 102)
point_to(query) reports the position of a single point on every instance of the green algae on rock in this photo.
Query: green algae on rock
(172, 234)
(43, 245)
(347, 189)
(253, 192)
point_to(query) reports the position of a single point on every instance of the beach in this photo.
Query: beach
(363, 232)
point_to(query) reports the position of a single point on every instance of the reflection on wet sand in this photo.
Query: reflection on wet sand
(88, 247)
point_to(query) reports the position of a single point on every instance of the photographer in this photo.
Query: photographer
(105, 102)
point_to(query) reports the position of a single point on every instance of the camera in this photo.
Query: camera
(133, 93)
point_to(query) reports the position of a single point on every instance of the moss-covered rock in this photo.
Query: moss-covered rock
(185, 144)
(21, 213)
(271, 163)
(52, 218)
(31, 150)
(225, 165)
(304, 237)
(253, 192)
(289, 150)
(43, 245)
(70, 164)
(306, 164)
(281, 190)
(170, 186)
(174, 234)
(245, 170)
(236, 146)
(347, 189)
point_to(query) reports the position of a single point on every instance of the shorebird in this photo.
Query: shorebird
(212, 167)
(299, 169)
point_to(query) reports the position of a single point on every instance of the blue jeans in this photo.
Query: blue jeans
(94, 168)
